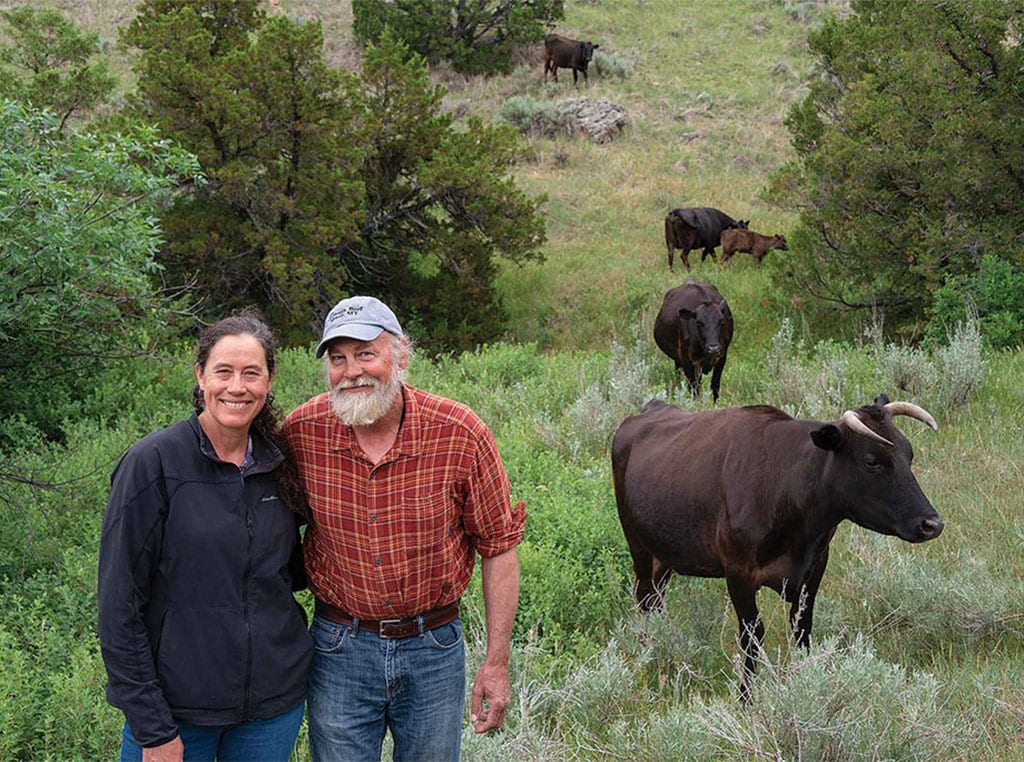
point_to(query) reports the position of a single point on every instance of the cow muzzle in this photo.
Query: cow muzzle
(929, 528)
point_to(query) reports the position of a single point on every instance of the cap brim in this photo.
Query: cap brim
(358, 331)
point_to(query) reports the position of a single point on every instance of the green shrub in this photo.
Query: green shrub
(607, 65)
(533, 116)
(960, 366)
(477, 38)
(18, 697)
(995, 292)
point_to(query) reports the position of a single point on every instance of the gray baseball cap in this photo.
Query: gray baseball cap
(358, 317)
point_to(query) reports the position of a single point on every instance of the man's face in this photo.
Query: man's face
(365, 379)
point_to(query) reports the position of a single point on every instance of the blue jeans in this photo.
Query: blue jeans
(254, 741)
(364, 685)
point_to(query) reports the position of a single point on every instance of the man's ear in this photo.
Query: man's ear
(403, 360)
(828, 437)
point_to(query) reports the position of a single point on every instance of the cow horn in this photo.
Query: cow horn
(909, 408)
(853, 421)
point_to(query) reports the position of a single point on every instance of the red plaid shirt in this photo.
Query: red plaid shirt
(399, 538)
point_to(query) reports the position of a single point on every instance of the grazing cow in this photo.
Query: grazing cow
(750, 242)
(755, 496)
(565, 53)
(680, 234)
(694, 328)
(709, 223)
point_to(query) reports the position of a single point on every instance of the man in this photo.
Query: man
(405, 488)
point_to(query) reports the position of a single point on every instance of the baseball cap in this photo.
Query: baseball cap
(358, 317)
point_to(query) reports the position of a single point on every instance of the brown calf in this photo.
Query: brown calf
(752, 243)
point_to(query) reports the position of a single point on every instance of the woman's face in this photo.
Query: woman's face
(235, 382)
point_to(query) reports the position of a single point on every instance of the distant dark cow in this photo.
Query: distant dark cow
(753, 243)
(565, 53)
(709, 223)
(694, 328)
(755, 496)
(680, 234)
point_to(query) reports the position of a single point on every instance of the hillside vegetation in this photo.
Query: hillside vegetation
(918, 651)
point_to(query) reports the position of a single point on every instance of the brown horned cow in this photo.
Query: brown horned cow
(750, 242)
(755, 496)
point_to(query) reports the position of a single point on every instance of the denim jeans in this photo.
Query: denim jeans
(254, 741)
(364, 685)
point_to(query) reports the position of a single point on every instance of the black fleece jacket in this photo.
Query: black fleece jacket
(198, 561)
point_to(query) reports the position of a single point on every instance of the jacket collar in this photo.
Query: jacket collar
(265, 454)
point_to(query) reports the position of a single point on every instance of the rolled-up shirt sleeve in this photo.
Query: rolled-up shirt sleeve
(488, 512)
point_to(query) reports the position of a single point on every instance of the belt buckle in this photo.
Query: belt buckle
(383, 624)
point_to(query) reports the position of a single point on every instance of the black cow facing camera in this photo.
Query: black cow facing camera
(694, 327)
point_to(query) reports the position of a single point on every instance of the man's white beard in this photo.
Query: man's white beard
(365, 408)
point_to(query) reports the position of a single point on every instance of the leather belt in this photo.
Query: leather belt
(405, 627)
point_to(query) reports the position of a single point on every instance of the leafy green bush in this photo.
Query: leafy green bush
(995, 292)
(477, 38)
(79, 241)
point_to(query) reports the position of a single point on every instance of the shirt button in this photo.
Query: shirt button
(373, 517)
(387, 602)
(378, 561)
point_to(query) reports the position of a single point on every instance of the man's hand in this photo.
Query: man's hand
(492, 693)
(172, 751)
(492, 690)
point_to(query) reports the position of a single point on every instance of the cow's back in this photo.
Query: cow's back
(668, 486)
(677, 475)
(708, 221)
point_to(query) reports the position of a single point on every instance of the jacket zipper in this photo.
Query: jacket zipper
(246, 704)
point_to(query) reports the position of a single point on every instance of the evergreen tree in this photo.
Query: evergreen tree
(46, 61)
(440, 205)
(274, 128)
(323, 183)
(476, 37)
(910, 153)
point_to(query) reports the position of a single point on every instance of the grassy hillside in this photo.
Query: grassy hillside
(710, 84)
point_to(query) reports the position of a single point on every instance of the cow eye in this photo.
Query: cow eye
(872, 463)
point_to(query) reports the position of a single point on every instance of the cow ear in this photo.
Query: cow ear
(686, 314)
(828, 437)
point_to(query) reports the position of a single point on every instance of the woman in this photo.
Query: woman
(206, 649)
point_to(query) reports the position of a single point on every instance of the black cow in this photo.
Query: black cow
(694, 328)
(709, 223)
(565, 53)
(680, 234)
(753, 495)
